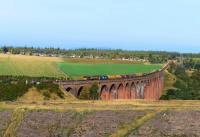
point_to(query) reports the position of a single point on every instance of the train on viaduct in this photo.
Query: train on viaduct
(148, 86)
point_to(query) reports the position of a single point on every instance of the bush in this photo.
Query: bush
(53, 88)
(85, 93)
(10, 91)
(94, 95)
(46, 95)
(60, 94)
(89, 92)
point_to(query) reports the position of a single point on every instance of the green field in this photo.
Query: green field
(83, 69)
(19, 65)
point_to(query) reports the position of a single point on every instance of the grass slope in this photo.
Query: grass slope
(82, 69)
(17, 65)
(170, 79)
(34, 95)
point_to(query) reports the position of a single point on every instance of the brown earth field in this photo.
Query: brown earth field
(117, 118)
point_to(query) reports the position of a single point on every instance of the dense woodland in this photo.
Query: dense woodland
(187, 85)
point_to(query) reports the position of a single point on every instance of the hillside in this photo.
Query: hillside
(35, 95)
(170, 80)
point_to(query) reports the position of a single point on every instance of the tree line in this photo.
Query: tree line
(151, 56)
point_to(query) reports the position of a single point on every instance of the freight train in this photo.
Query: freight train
(107, 77)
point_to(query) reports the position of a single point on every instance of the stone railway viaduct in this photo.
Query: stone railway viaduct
(147, 86)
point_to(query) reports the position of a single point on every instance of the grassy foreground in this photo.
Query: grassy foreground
(118, 118)
(80, 105)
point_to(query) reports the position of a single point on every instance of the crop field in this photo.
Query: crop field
(83, 69)
(17, 65)
(34, 66)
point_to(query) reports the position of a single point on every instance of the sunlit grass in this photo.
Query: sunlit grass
(18, 65)
(79, 105)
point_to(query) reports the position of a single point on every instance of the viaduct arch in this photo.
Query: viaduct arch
(147, 86)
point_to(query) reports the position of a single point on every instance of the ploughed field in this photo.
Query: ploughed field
(133, 118)
(19, 65)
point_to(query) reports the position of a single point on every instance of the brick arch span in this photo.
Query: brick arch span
(127, 91)
(113, 91)
(70, 89)
(147, 91)
(104, 93)
(79, 91)
(142, 89)
(120, 91)
(137, 89)
(133, 91)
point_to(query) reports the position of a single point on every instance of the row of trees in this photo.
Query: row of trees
(151, 56)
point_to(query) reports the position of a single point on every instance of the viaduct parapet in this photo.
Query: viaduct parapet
(147, 86)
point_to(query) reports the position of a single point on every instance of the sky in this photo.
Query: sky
(171, 25)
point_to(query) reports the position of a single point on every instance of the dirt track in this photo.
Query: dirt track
(5, 117)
